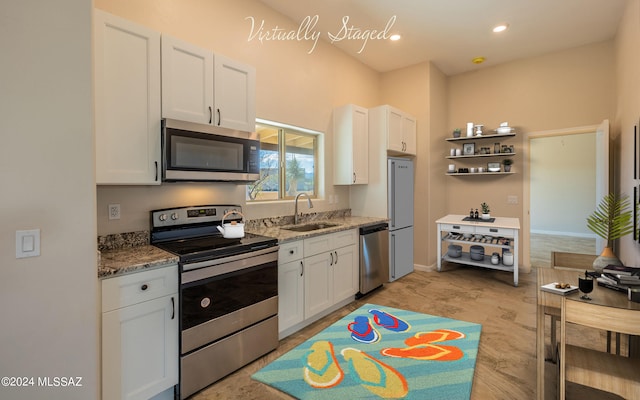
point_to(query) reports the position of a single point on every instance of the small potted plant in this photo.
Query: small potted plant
(612, 220)
(485, 211)
(507, 164)
(456, 133)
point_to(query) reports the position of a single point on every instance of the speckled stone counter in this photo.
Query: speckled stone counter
(133, 259)
(131, 252)
(342, 223)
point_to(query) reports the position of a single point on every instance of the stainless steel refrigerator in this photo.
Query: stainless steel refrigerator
(400, 213)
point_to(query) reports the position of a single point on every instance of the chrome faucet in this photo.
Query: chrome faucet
(309, 203)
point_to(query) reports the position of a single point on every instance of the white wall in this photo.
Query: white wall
(49, 303)
(563, 186)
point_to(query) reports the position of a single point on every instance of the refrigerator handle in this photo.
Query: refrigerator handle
(392, 195)
(393, 257)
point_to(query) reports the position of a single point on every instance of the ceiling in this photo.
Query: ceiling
(450, 33)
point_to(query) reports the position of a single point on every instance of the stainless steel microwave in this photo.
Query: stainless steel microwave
(194, 152)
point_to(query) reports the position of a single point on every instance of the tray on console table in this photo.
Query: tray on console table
(500, 228)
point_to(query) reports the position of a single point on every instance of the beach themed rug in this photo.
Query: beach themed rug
(379, 352)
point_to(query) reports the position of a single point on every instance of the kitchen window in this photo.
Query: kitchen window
(288, 162)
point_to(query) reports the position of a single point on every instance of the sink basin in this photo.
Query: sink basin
(309, 227)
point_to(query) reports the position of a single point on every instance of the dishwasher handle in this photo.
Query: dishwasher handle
(365, 230)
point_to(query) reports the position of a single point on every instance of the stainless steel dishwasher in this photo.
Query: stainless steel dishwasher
(374, 257)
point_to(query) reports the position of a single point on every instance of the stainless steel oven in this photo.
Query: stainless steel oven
(194, 152)
(228, 293)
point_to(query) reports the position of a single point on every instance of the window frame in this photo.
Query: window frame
(283, 130)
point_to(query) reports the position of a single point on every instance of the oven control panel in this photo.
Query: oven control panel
(202, 212)
(190, 215)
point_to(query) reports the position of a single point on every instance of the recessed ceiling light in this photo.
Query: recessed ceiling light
(395, 37)
(500, 28)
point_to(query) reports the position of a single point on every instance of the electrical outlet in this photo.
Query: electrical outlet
(114, 211)
(512, 199)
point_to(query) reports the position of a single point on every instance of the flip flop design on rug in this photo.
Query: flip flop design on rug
(421, 346)
(388, 321)
(362, 331)
(376, 376)
(321, 369)
(439, 335)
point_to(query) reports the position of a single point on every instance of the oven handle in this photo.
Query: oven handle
(207, 263)
(202, 270)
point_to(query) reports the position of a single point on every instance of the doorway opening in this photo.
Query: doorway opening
(567, 172)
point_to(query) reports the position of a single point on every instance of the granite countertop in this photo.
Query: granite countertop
(342, 223)
(131, 252)
(133, 259)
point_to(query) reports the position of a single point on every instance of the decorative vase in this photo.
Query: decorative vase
(607, 257)
(486, 216)
(507, 168)
(456, 133)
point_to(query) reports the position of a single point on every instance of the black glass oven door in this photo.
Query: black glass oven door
(214, 297)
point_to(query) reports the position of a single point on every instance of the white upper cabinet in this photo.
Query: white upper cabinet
(127, 101)
(350, 145)
(234, 94)
(187, 81)
(203, 87)
(399, 127)
(409, 134)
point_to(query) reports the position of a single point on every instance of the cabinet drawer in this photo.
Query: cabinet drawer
(458, 228)
(135, 288)
(485, 230)
(317, 245)
(345, 238)
(291, 251)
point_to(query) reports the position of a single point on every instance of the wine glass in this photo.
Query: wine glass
(586, 286)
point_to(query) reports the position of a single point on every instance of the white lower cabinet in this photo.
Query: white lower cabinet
(140, 334)
(290, 285)
(314, 276)
(318, 284)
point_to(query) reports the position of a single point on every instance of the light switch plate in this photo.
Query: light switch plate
(28, 243)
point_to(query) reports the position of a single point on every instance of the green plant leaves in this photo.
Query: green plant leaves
(612, 219)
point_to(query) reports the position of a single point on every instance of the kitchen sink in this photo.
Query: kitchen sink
(308, 227)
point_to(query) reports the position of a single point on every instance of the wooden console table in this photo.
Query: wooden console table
(451, 229)
(605, 303)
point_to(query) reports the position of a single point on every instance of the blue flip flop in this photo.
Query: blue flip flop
(389, 321)
(362, 331)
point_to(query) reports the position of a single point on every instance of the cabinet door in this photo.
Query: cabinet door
(350, 145)
(409, 134)
(187, 81)
(290, 294)
(318, 284)
(400, 253)
(140, 349)
(345, 273)
(127, 101)
(234, 94)
(395, 140)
